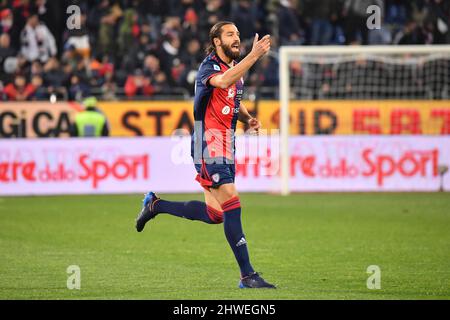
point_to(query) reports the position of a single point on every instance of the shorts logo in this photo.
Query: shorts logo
(226, 110)
(215, 177)
(216, 67)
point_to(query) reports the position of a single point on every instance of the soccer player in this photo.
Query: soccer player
(217, 108)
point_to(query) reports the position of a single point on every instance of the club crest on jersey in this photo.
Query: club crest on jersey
(231, 93)
(215, 177)
(216, 67)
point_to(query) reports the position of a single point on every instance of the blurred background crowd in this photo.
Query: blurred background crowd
(151, 49)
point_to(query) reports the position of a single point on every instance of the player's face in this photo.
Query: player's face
(230, 41)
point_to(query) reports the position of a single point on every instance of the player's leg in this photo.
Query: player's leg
(192, 210)
(213, 207)
(209, 211)
(227, 195)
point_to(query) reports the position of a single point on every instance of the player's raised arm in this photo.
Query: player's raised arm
(260, 48)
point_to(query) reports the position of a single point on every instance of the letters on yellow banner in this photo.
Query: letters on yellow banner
(161, 118)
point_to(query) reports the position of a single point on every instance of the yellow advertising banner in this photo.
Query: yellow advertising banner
(37, 119)
(306, 117)
(148, 118)
(162, 118)
(361, 117)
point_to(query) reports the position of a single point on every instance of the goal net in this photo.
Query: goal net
(364, 73)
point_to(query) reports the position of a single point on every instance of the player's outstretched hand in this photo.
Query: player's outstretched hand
(261, 47)
(254, 125)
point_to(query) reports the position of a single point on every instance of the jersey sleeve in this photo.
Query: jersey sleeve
(207, 70)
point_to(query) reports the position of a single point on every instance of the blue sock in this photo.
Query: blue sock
(235, 236)
(192, 210)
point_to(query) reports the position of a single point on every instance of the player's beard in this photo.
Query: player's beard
(229, 52)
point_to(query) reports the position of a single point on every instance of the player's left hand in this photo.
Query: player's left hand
(254, 124)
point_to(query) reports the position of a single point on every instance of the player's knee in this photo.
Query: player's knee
(230, 204)
(216, 216)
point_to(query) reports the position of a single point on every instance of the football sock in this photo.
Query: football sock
(192, 210)
(234, 234)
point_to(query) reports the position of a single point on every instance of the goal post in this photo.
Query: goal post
(418, 72)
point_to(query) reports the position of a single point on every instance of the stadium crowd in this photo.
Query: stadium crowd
(152, 48)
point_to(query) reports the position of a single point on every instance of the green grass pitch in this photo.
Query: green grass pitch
(313, 246)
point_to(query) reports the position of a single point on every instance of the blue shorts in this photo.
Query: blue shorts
(213, 175)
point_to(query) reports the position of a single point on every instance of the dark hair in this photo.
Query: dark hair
(216, 32)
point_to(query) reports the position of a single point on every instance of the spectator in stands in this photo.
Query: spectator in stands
(10, 27)
(158, 79)
(36, 68)
(138, 84)
(55, 78)
(290, 32)
(77, 88)
(241, 14)
(108, 16)
(53, 74)
(79, 39)
(109, 88)
(191, 59)
(49, 12)
(381, 36)
(128, 31)
(268, 72)
(151, 66)
(70, 56)
(6, 21)
(168, 54)
(154, 12)
(19, 90)
(212, 13)
(439, 18)
(171, 27)
(11, 66)
(37, 41)
(193, 54)
(6, 51)
(322, 15)
(125, 32)
(411, 34)
(355, 17)
(134, 56)
(40, 92)
(190, 25)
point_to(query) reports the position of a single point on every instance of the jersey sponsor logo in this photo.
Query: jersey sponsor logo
(226, 110)
(216, 67)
